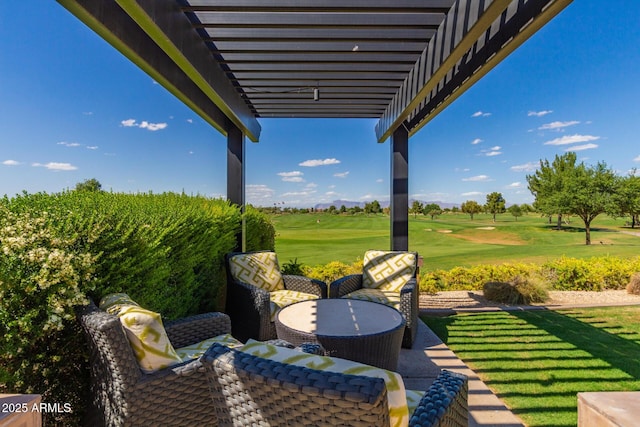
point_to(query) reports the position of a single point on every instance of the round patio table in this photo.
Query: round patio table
(362, 331)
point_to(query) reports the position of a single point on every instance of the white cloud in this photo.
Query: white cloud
(493, 153)
(636, 159)
(476, 141)
(69, 144)
(55, 166)
(298, 193)
(341, 174)
(572, 139)
(582, 147)
(472, 193)
(258, 191)
(319, 162)
(379, 180)
(11, 163)
(311, 185)
(152, 126)
(477, 178)
(527, 167)
(143, 125)
(539, 113)
(515, 185)
(558, 125)
(331, 193)
(128, 123)
(496, 148)
(92, 147)
(189, 120)
(293, 176)
(480, 114)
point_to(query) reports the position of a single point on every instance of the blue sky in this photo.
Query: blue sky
(73, 108)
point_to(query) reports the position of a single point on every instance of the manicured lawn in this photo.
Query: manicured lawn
(450, 240)
(537, 361)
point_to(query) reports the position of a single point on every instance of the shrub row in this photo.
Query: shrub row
(564, 274)
(166, 251)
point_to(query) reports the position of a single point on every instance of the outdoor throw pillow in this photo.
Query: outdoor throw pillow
(397, 399)
(259, 269)
(113, 303)
(388, 271)
(148, 339)
(390, 298)
(196, 350)
(280, 299)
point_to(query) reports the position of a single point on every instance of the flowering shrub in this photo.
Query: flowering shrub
(166, 251)
(590, 274)
(332, 271)
(44, 274)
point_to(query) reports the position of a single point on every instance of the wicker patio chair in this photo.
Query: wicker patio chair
(123, 395)
(252, 306)
(405, 292)
(248, 390)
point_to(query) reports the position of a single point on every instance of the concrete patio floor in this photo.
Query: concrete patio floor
(420, 365)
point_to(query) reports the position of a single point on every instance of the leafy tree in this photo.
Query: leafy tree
(548, 185)
(343, 209)
(373, 207)
(527, 208)
(515, 210)
(432, 209)
(89, 185)
(332, 209)
(416, 208)
(592, 189)
(495, 204)
(627, 199)
(471, 207)
(564, 187)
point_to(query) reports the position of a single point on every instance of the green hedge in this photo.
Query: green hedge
(166, 251)
(563, 274)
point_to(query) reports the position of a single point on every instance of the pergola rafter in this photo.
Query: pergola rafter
(236, 61)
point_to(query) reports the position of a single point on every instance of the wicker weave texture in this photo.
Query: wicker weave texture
(122, 395)
(444, 404)
(409, 298)
(251, 391)
(249, 308)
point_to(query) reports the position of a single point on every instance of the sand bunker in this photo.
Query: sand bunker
(445, 231)
(486, 228)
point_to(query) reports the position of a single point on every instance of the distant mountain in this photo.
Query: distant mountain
(383, 203)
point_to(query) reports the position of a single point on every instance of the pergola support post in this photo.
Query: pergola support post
(400, 189)
(235, 178)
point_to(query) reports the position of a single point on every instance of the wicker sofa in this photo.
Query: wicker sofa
(250, 304)
(250, 390)
(123, 395)
(377, 268)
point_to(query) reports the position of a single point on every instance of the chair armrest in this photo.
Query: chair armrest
(345, 285)
(445, 403)
(305, 284)
(193, 329)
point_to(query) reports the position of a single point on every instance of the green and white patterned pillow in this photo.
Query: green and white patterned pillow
(259, 269)
(390, 298)
(396, 395)
(148, 338)
(387, 271)
(194, 351)
(280, 299)
(113, 303)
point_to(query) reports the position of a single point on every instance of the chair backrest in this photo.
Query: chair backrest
(388, 270)
(112, 362)
(260, 269)
(249, 390)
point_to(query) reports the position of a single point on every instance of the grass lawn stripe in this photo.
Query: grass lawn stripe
(537, 361)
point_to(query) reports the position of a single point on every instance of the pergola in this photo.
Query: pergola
(236, 61)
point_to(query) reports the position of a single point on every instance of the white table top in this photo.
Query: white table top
(340, 317)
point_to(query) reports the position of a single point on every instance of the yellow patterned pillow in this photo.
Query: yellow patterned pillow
(390, 298)
(396, 395)
(113, 303)
(280, 299)
(194, 351)
(148, 339)
(259, 269)
(388, 271)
